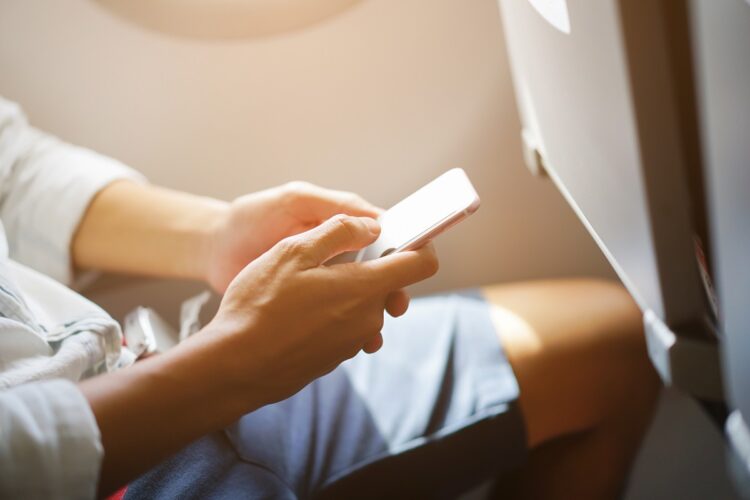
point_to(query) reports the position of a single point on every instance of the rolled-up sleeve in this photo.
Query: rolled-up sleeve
(46, 186)
(50, 445)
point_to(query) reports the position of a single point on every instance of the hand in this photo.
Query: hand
(143, 229)
(287, 319)
(257, 221)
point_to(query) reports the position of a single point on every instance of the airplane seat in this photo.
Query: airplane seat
(605, 100)
(722, 41)
(639, 112)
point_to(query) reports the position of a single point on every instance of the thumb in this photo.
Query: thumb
(339, 234)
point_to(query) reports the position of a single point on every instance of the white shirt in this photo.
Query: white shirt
(50, 336)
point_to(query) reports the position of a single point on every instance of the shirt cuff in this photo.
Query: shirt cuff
(50, 446)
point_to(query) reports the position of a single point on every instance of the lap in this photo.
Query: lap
(434, 411)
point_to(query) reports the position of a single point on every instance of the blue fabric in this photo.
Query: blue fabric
(430, 415)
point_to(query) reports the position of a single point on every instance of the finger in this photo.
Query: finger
(401, 269)
(397, 303)
(339, 234)
(313, 203)
(374, 344)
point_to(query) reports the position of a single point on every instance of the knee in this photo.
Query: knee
(608, 322)
(617, 332)
(609, 307)
(582, 358)
(617, 324)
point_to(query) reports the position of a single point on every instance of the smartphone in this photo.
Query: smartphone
(420, 217)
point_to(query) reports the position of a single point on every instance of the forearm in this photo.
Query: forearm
(285, 320)
(143, 229)
(159, 405)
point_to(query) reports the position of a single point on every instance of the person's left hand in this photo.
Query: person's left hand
(256, 222)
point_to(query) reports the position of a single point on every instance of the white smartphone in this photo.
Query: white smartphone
(421, 216)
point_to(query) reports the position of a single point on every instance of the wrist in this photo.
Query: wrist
(150, 410)
(203, 226)
(213, 355)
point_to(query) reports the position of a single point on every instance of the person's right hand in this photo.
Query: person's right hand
(287, 319)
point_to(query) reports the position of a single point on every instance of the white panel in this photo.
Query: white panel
(723, 41)
(574, 99)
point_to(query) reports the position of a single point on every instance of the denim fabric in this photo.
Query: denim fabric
(432, 414)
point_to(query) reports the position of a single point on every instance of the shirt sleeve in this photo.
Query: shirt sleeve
(50, 445)
(45, 188)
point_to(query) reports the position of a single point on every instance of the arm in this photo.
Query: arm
(137, 228)
(45, 188)
(254, 352)
(143, 229)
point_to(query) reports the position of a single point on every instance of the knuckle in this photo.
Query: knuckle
(352, 198)
(288, 247)
(296, 186)
(375, 323)
(345, 224)
(378, 322)
(294, 190)
(353, 351)
(431, 263)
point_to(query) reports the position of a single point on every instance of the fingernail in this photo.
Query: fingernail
(372, 225)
